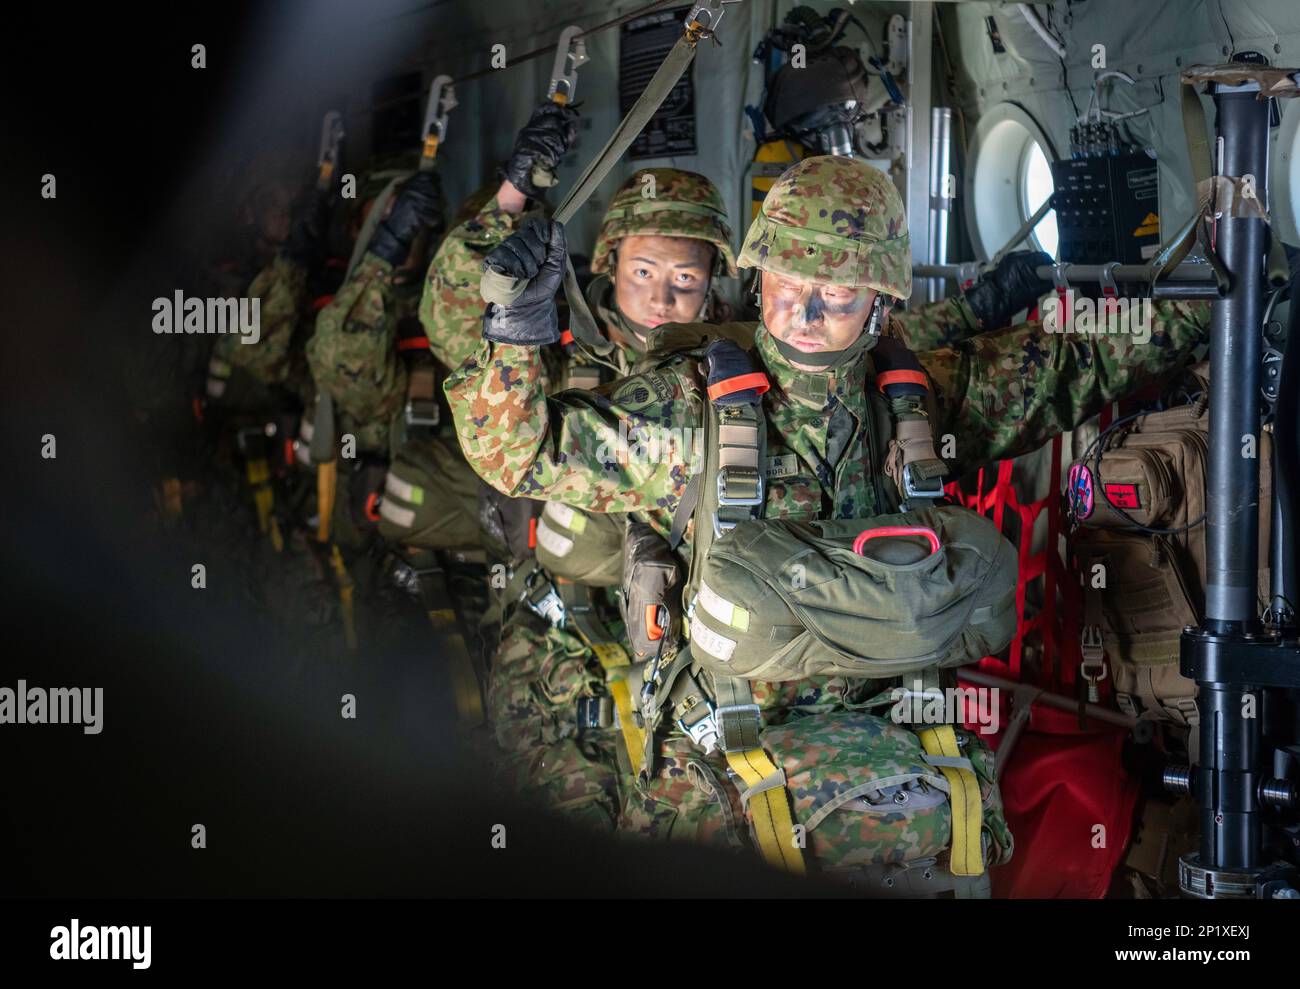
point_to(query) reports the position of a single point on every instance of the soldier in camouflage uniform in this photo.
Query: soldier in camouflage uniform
(257, 377)
(353, 354)
(672, 245)
(830, 241)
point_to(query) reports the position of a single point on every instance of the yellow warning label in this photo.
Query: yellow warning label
(1150, 225)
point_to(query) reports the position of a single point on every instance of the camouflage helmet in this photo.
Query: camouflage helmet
(379, 171)
(665, 202)
(836, 220)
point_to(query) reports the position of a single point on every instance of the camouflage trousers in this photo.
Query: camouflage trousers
(537, 677)
(827, 752)
(871, 807)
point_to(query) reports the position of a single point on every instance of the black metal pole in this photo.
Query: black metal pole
(1286, 468)
(1236, 347)
(1231, 828)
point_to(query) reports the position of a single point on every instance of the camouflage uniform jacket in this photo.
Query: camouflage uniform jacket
(935, 324)
(276, 359)
(1000, 394)
(451, 309)
(353, 354)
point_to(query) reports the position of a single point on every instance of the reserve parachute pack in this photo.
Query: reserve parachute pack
(903, 808)
(897, 594)
(430, 496)
(1138, 497)
(582, 547)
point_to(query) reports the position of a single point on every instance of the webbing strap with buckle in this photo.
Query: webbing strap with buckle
(421, 397)
(541, 598)
(765, 785)
(581, 616)
(740, 485)
(1092, 643)
(967, 855)
(258, 474)
(964, 796)
(910, 462)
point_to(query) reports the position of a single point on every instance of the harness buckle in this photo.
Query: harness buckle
(1093, 668)
(703, 733)
(595, 712)
(915, 487)
(548, 605)
(740, 487)
(422, 412)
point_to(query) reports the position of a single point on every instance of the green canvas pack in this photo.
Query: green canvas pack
(895, 594)
(583, 547)
(430, 495)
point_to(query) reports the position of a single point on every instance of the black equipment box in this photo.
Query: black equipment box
(1107, 208)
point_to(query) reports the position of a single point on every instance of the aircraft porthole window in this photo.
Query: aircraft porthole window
(1035, 187)
(1008, 178)
(1284, 177)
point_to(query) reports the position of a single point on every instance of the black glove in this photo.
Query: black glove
(544, 140)
(1011, 286)
(536, 254)
(307, 225)
(416, 207)
(727, 361)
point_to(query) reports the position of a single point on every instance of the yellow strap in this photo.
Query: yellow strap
(633, 737)
(173, 502)
(345, 597)
(967, 857)
(326, 479)
(612, 655)
(464, 681)
(769, 810)
(259, 477)
(613, 660)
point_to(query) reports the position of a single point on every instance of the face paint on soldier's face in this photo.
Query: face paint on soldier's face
(814, 317)
(662, 279)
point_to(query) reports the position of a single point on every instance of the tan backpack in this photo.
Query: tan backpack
(1138, 496)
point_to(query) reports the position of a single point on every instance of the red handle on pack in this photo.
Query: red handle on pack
(886, 531)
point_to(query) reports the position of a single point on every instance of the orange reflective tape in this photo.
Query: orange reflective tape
(886, 378)
(532, 533)
(756, 380)
(566, 337)
(413, 343)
